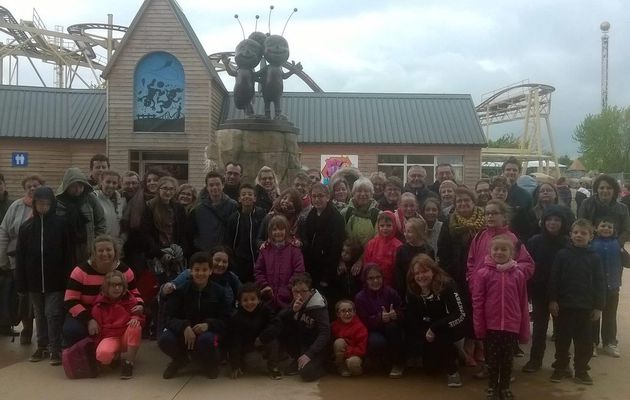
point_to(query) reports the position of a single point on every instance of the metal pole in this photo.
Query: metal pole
(110, 21)
(604, 26)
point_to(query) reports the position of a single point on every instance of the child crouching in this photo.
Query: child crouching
(350, 337)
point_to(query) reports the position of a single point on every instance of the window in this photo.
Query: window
(175, 162)
(159, 94)
(398, 165)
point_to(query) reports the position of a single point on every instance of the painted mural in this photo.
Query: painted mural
(159, 94)
(330, 163)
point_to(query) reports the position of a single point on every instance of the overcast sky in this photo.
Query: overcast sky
(428, 46)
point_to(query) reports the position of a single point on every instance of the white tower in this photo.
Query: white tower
(604, 26)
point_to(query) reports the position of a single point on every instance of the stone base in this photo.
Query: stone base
(255, 148)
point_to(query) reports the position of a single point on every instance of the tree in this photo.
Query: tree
(605, 140)
(565, 160)
(506, 141)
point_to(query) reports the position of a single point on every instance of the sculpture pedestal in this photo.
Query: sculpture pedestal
(255, 143)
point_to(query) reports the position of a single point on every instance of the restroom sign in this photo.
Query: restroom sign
(19, 159)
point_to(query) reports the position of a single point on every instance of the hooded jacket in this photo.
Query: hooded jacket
(114, 315)
(310, 324)
(19, 212)
(43, 259)
(244, 327)
(381, 250)
(370, 304)
(112, 210)
(242, 231)
(354, 333)
(521, 202)
(275, 266)
(208, 222)
(84, 215)
(609, 252)
(499, 298)
(360, 225)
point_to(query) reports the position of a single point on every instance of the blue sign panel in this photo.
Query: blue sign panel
(19, 159)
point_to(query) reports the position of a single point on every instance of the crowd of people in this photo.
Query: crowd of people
(363, 272)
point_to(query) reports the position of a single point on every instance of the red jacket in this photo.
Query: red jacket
(382, 251)
(354, 333)
(114, 315)
(499, 298)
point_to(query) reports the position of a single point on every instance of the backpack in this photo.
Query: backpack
(79, 360)
(374, 212)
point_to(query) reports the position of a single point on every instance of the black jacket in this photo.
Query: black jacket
(310, 326)
(151, 234)
(242, 231)
(262, 199)
(43, 254)
(443, 314)
(244, 327)
(521, 203)
(577, 279)
(322, 240)
(190, 306)
(421, 194)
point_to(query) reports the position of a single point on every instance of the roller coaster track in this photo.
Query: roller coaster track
(20, 36)
(80, 29)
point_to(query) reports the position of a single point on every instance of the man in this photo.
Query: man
(482, 189)
(4, 198)
(98, 164)
(314, 174)
(112, 202)
(208, 220)
(443, 172)
(302, 183)
(233, 175)
(130, 184)
(416, 175)
(518, 199)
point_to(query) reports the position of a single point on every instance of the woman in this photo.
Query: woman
(340, 192)
(361, 213)
(187, 196)
(447, 196)
(379, 308)
(604, 202)
(17, 213)
(267, 188)
(499, 187)
(84, 285)
(430, 211)
(289, 205)
(544, 196)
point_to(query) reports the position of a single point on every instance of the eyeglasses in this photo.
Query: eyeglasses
(374, 278)
(346, 311)
(167, 189)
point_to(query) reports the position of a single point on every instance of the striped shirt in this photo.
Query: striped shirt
(85, 284)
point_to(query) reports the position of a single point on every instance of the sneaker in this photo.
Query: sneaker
(492, 394)
(518, 352)
(454, 380)
(612, 350)
(39, 355)
(595, 350)
(55, 359)
(291, 369)
(482, 373)
(172, 368)
(396, 371)
(344, 371)
(126, 370)
(559, 374)
(506, 394)
(275, 374)
(583, 377)
(531, 366)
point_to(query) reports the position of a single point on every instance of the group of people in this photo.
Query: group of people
(438, 275)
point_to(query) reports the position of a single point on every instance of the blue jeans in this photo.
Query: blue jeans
(73, 331)
(49, 311)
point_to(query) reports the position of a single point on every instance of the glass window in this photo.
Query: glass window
(397, 165)
(391, 159)
(420, 160)
(175, 162)
(453, 160)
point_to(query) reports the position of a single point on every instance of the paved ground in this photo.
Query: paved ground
(20, 379)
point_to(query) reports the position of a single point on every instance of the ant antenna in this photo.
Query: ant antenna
(269, 18)
(239, 22)
(256, 26)
(285, 24)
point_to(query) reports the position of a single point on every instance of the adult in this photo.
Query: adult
(84, 215)
(233, 175)
(604, 202)
(482, 190)
(518, 199)
(186, 195)
(289, 205)
(564, 192)
(18, 212)
(393, 190)
(267, 188)
(447, 196)
(546, 195)
(322, 235)
(315, 175)
(208, 220)
(430, 211)
(5, 202)
(85, 284)
(378, 180)
(499, 187)
(112, 202)
(340, 190)
(361, 213)
(416, 176)
(443, 172)
(583, 192)
(130, 184)
(302, 183)
(98, 164)
(625, 199)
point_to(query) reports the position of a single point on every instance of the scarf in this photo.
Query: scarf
(467, 227)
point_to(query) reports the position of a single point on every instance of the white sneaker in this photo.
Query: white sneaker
(612, 350)
(397, 371)
(595, 350)
(454, 381)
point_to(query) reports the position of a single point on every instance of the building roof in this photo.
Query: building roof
(377, 118)
(187, 28)
(577, 165)
(50, 113)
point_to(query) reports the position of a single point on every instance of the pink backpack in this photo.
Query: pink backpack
(79, 360)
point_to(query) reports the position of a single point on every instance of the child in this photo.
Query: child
(119, 328)
(306, 329)
(253, 326)
(42, 270)
(606, 245)
(500, 311)
(242, 230)
(350, 339)
(351, 253)
(415, 243)
(543, 248)
(278, 261)
(577, 290)
(431, 212)
(407, 208)
(381, 250)
(434, 317)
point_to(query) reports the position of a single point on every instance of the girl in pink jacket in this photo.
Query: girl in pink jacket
(500, 312)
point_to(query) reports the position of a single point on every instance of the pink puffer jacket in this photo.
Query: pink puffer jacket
(275, 266)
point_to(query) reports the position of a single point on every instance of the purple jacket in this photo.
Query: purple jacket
(369, 303)
(275, 266)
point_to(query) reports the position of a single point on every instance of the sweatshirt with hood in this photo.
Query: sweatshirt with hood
(370, 304)
(43, 259)
(310, 324)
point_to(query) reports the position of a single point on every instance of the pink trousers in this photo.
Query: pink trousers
(108, 347)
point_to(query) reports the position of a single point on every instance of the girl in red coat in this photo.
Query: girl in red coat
(381, 250)
(119, 329)
(350, 339)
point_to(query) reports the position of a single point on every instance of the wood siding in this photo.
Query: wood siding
(49, 158)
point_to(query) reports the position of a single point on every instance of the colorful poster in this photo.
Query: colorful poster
(330, 163)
